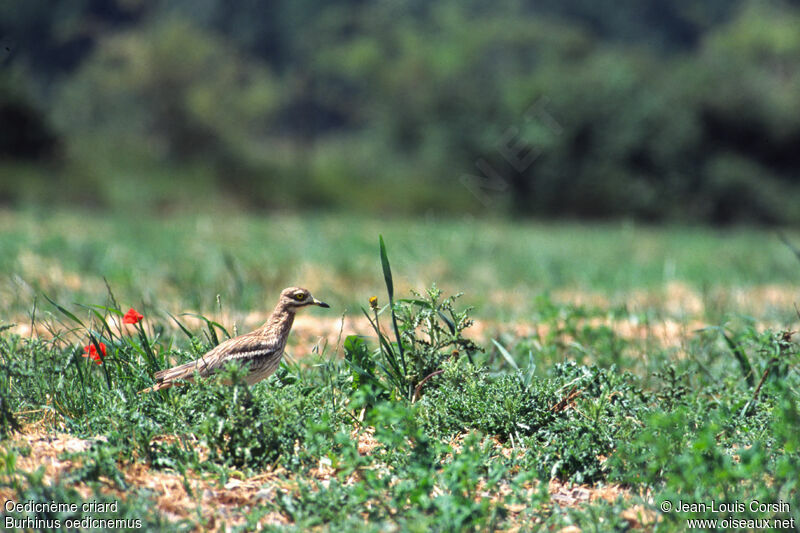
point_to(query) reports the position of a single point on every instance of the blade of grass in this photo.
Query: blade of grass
(96, 344)
(99, 317)
(738, 353)
(386, 348)
(110, 293)
(365, 376)
(103, 308)
(145, 346)
(183, 328)
(33, 314)
(64, 311)
(83, 381)
(507, 356)
(387, 271)
(211, 326)
(741, 357)
(387, 276)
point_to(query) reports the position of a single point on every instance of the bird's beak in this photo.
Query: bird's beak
(321, 304)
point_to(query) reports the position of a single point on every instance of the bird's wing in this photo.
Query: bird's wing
(243, 348)
(246, 347)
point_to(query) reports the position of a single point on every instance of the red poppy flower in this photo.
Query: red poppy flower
(132, 316)
(90, 351)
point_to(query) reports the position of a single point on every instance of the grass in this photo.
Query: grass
(184, 261)
(417, 426)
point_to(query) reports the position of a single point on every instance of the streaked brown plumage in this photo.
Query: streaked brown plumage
(260, 350)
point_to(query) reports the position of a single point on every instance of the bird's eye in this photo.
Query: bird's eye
(299, 296)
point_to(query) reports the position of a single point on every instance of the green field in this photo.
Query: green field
(182, 262)
(651, 365)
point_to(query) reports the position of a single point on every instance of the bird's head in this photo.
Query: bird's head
(295, 297)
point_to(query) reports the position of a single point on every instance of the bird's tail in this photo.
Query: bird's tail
(169, 377)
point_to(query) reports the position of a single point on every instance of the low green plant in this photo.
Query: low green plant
(8, 422)
(564, 422)
(415, 483)
(253, 427)
(428, 330)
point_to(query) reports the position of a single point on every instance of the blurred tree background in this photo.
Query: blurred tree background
(647, 109)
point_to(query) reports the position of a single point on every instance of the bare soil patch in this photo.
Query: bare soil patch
(180, 497)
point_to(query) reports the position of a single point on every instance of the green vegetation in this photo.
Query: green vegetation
(462, 438)
(182, 262)
(649, 110)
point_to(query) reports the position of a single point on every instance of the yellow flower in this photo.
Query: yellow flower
(373, 302)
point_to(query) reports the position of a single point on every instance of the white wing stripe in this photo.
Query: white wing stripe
(249, 354)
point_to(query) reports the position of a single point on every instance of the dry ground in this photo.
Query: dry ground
(222, 506)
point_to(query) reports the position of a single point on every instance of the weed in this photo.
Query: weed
(250, 428)
(427, 330)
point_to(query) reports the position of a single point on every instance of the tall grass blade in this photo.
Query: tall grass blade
(101, 319)
(111, 310)
(145, 346)
(211, 326)
(741, 357)
(64, 311)
(93, 339)
(386, 348)
(33, 314)
(507, 356)
(83, 381)
(387, 271)
(387, 276)
(110, 293)
(183, 328)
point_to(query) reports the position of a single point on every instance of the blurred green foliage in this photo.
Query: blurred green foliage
(182, 262)
(652, 110)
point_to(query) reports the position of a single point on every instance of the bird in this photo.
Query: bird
(260, 350)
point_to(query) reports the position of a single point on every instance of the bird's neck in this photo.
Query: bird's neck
(280, 319)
